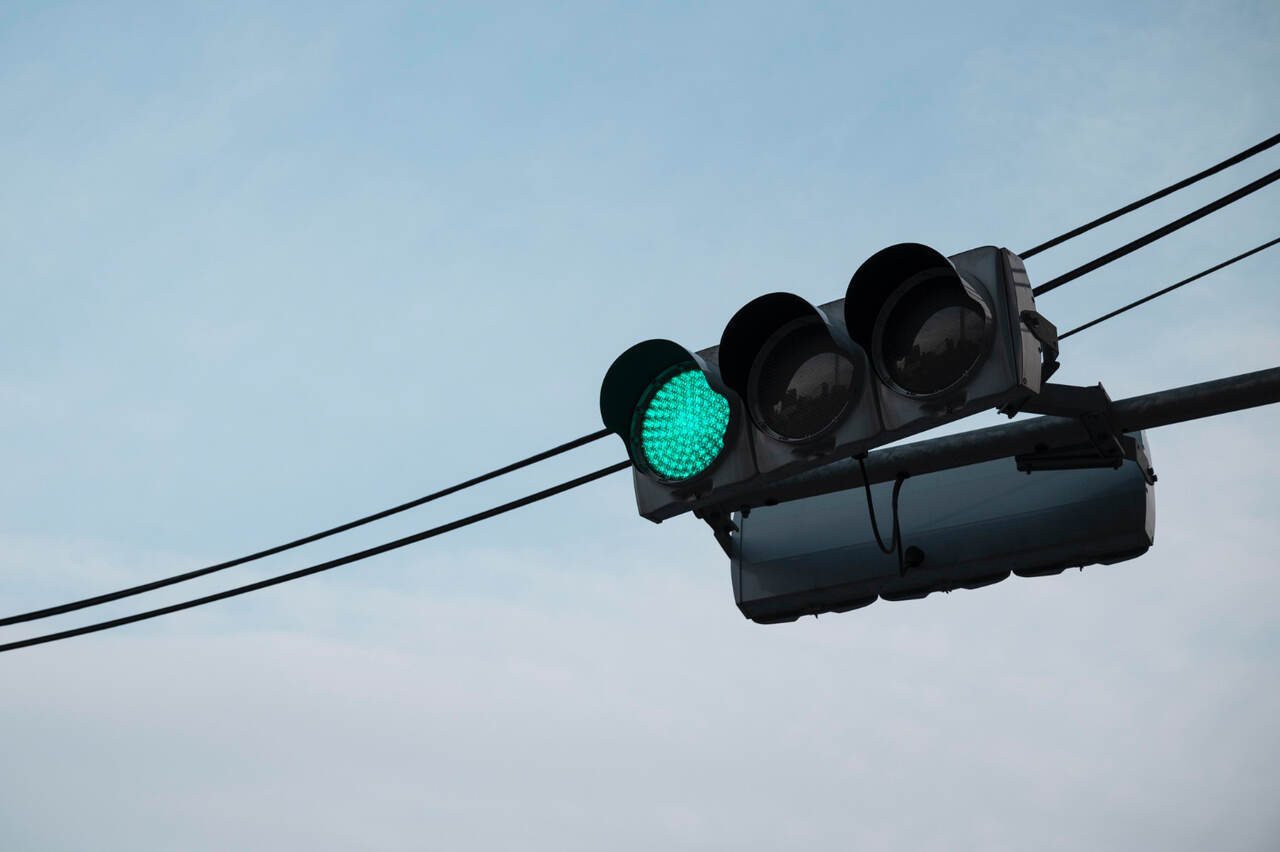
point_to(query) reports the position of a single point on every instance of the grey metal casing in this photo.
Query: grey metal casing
(975, 525)
(1009, 372)
(657, 501)
(740, 345)
(737, 476)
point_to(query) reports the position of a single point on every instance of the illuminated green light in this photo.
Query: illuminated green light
(682, 426)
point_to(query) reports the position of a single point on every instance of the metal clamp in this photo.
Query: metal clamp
(1106, 446)
(1046, 334)
(721, 527)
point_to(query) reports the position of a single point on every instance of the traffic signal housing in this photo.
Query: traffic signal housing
(806, 386)
(919, 339)
(946, 336)
(684, 430)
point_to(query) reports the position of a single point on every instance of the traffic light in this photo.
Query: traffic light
(967, 527)
(947, 336)
(806, 384)
(683, 428)
(918, 339)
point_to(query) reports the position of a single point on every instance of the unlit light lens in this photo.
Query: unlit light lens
(933, 337)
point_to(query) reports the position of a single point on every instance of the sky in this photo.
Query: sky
(266, 269)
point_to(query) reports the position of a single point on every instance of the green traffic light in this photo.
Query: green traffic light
(682, 425)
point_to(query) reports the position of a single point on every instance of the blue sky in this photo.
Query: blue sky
(266, 270)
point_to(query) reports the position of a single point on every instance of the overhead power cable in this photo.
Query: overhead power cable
(1155, 196)
(1169, 289)
(1158, 233)
(323, 566)
(281, 548)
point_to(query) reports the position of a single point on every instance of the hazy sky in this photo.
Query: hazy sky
(265, 271)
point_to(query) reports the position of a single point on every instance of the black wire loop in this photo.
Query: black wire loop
(895, 543)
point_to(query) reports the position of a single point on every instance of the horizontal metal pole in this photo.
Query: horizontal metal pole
(1162, 408)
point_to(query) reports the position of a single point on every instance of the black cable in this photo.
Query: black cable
(871, 511)
(1155, 196)
(897, 530)
(1157, 233)
(323, 566)
(1168, 289)
(895, 543)
(281, 548)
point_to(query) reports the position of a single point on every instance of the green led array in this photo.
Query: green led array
(683, 425)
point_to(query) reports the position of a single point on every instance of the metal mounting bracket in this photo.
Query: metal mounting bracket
(1046, 334)
(1106, 446)
(1085, 455)
(721, 526)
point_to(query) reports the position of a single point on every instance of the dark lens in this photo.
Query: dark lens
(933, 336)
(802, 382)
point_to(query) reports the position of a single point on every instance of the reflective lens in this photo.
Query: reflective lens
(801, 383)
(682, 425)
(933, 337)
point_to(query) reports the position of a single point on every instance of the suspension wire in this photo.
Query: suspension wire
(1155, 196)
(1168, 289)
(1158, 233)
(323, 566)
(281, 548)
